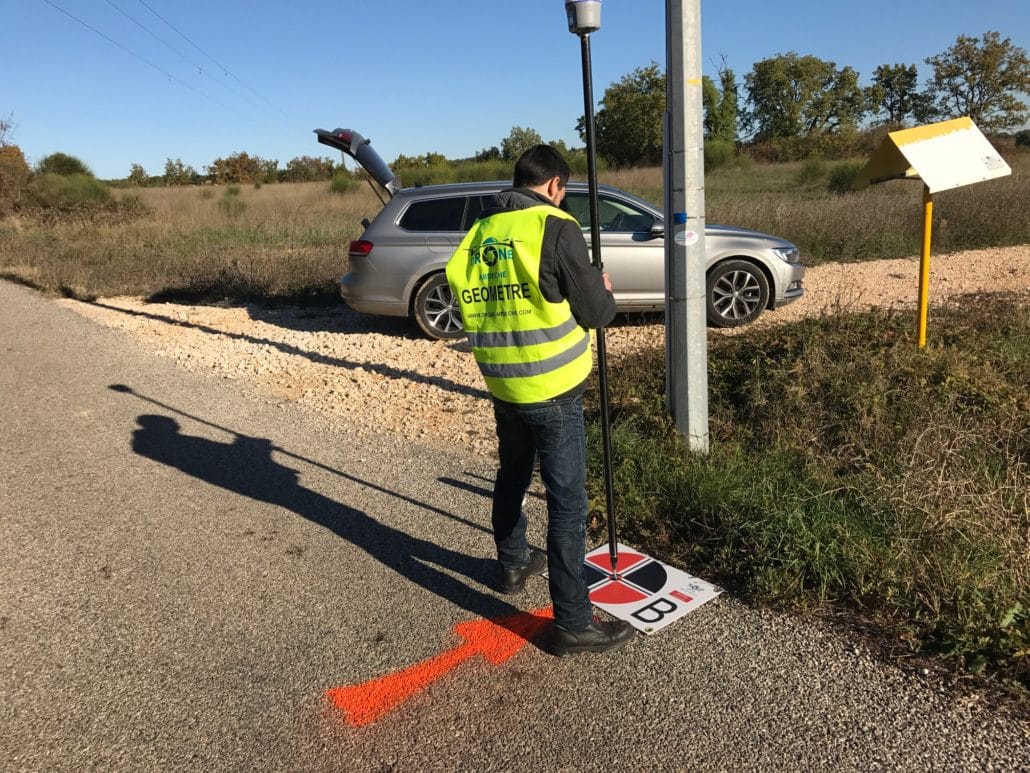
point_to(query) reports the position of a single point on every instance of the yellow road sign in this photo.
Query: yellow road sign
(943, 155)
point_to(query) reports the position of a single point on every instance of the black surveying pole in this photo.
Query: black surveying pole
(585, 17)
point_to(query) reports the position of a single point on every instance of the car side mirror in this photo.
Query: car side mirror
(658, 229)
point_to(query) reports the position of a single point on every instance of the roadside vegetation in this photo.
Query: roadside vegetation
(801, 201)
(192, 242)
(890, 484)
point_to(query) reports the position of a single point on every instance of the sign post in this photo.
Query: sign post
(944, 155)
(924, 265)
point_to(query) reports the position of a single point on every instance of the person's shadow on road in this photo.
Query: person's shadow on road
(246, 467)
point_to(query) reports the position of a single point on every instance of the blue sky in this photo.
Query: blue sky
(448, 76)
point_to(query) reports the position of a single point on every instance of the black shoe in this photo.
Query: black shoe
(596, 637)
(514, 580)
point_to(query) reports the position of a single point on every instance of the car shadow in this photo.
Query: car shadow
(246, 467)
(638, 318)
(335, 318)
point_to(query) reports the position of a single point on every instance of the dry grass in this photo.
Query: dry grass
(276, 241)
(793, 201)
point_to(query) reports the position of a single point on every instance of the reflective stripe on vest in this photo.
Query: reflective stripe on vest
(527, 348)
(538, 367)
(523, 337)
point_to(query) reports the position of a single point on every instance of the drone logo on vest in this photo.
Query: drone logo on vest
(491, 252)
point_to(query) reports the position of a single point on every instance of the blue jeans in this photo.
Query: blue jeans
(552, 431)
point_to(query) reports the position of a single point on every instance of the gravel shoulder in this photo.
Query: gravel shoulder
(374, 374)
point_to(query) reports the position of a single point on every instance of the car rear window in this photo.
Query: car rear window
(434, 215)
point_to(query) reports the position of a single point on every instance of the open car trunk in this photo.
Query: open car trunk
(361, 150)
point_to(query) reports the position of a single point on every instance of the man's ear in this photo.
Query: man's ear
(554, 188)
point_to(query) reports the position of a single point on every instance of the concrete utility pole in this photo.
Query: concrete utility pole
(686, 345)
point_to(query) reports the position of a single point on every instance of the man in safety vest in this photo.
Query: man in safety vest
(529, 296)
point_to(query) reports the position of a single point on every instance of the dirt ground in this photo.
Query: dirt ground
(378, 373)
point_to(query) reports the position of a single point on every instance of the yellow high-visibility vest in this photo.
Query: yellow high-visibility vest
(527, 348)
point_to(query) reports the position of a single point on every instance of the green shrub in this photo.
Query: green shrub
(435, 174)
(892, 482)
(764, 152)
(577, 163)
(719, 153)
(343, 182)
(811, 173)
(494, 170)
(62, 164)
(1023, 138)
(232, 190)
(54, 191)
(843, 175)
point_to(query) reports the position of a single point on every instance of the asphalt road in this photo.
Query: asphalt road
(179, 591)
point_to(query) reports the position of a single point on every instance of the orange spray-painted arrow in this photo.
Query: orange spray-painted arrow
(496, 640)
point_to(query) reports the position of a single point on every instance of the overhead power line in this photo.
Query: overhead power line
(145, 61)
(224, 69)
(199, 68)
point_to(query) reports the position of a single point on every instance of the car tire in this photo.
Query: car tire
(737, 292)
(436, 310)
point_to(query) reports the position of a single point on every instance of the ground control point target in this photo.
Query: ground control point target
(646, 593)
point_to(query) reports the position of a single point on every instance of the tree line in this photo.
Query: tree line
(797, 106)
(237, 168)
(245, 168)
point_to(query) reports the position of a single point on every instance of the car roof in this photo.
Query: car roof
(492, 186)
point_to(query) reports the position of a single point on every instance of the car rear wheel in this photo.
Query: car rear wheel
(436, 309)
(737, 293)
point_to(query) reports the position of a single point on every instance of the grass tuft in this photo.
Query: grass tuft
(843, 175)
(812, 173)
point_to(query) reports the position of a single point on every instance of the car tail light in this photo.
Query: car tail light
(359, 248)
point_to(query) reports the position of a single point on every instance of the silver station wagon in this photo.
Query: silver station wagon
(397, 266)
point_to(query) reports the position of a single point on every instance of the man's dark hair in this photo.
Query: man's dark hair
(538, 165)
